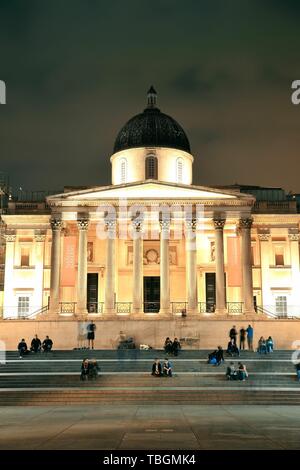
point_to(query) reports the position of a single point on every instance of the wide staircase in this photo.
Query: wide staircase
(54, 379)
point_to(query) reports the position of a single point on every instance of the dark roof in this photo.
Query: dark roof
(152, 128)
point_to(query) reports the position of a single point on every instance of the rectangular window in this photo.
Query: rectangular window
(23, 305)
(24, 256)
(281, 305)
(279, 256)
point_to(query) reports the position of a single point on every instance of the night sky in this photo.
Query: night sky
(77, 70)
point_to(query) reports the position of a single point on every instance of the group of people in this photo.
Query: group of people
(265, 346)
(172, 347)
(164, 370)
(36, 346)
(244, 334)
(89, 369)
(237, 374)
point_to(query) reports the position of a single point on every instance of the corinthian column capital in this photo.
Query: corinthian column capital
(191, 224)
(219, 223)
(83, 224)
(10, 236)
(246, 223)
(56, 224)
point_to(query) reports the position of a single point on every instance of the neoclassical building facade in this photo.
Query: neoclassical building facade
(152, 243)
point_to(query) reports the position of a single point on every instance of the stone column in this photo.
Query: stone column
(294, 238)
(219, 256)
(137, 284)
(110, 281)
(265, 262)
(81, 307)
(191, 266)
(56, 225)
(10, 304)
(39, 237)
(245, 227)
(164, 268)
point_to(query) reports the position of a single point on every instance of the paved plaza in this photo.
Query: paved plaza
(150, 427)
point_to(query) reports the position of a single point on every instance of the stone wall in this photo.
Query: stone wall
(205, 334)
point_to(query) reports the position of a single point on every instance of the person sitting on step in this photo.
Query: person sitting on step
(47, 344)
(231, 373)
(176, 346)
(36, 344)
(168, 345)
(232, 348)
(242, 372)
(262, 346)
(167, 368)
(93, 369)
(22, 348)
(270, 345)
(212, 359)
(156, 368)
(84, 369)
(297, 366)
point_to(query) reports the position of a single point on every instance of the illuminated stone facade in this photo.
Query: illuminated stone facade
(151, 244)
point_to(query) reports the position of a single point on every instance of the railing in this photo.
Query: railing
(279, 207)
(178, 307)
(274, 311)
(206, 307)
(13, 313)
(38, 312)
(67, 307)
(151, 307)
(234, 307)
(95, 307)
(123, 307)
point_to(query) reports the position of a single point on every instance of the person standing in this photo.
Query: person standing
(242, 338)
(233, 334)
(91, 328)
(250, 334)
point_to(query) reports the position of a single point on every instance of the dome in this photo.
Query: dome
(152, 128)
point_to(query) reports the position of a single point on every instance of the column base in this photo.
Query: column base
(221, 311)
(165, 311)
(109, 312)
(51, 315)
(251, 314)
(192, 311)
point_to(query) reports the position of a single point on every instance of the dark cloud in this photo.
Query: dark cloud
(77, 70)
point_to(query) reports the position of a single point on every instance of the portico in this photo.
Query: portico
(172, 248)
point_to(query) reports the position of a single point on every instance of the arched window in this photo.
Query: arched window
(151, 168)
(179, 170)
(123, 170)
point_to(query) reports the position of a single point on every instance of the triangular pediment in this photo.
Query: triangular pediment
(149, 190)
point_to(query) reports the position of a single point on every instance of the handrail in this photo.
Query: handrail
(38, 312)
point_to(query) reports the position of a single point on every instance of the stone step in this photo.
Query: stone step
(147, 396)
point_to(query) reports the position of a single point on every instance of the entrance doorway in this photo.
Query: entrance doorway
(151, 294)
(210, 289)
(92, 292)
